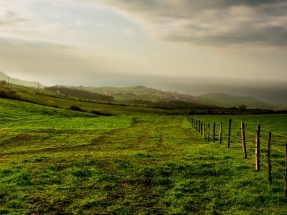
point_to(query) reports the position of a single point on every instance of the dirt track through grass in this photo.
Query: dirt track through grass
(151, 165)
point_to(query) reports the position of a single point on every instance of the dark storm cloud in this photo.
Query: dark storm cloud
(212, 23)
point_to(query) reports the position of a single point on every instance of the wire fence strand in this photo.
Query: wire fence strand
(237, 139)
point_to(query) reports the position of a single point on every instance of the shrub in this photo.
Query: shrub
(75, 108)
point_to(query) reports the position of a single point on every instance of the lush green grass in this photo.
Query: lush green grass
(55, 161)
(275, 123)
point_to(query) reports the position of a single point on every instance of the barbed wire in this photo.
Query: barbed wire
(278, 165)
(275, 165)
(236, 136)
(279, 174)
(279, 135)
(239, 121)
(278, 149)
(249, 133)
(261, 161)
(251, 123)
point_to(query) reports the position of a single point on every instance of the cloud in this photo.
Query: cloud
(210, 23)
(128, 31)
(8, 17)
(80, 23)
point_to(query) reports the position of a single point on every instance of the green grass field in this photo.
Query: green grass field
(57, 161)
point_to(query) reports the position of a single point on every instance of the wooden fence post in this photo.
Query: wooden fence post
(214, 132)
(201, 127)
(269, 158)
(229, 133)
(220, 133)
(204, 131)
(257, 149)
(208, 131)
(198, 129)
(243, 140)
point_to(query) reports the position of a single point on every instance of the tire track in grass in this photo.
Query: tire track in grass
(55, 149)
(143, 134)
(106, 138)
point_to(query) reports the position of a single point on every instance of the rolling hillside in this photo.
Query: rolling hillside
(4, 77)
(228, 101)
(140, 95)
(57, 161)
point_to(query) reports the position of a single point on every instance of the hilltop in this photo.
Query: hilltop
(154, 95)
(4, 77)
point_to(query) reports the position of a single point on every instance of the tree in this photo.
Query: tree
(3, 83)
(242, 108)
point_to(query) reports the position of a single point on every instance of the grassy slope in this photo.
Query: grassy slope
(4, 77)
(223, 100)
(48, 98)
(55, 161)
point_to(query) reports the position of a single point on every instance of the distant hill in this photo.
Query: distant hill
(141, 93)
(4, 77)
(144, 96)
(80, 93)
(228, 101)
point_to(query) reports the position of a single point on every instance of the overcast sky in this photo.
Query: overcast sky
(133, 42)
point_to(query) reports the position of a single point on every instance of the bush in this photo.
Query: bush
(75, 108)
(10, 94)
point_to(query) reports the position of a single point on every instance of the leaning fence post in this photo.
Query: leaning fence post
(229, 133)
(243, 140)
(269, 158)
(257, 149)
(220, 133)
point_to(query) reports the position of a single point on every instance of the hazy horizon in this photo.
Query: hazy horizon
(272, 92)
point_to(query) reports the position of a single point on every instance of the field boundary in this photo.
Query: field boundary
(276, 164)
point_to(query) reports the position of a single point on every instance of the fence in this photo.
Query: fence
(264, 143)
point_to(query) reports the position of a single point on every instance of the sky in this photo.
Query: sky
(143, 42)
